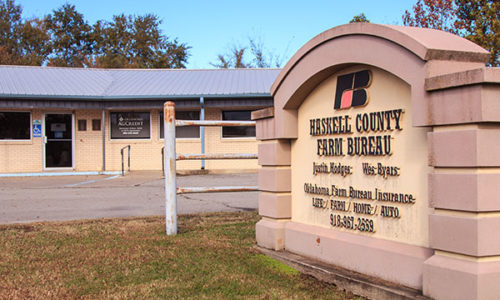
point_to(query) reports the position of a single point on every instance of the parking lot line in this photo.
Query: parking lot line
(90, 181)
(80, 183)
(112, 177)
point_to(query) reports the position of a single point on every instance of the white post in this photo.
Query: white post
(169, 162)
(202, 130)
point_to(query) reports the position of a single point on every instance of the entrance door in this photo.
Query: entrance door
(58, 140)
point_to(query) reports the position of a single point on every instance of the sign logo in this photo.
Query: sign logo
(351, 90)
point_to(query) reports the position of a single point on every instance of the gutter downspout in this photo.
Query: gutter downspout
(202, 130)
(103, 124)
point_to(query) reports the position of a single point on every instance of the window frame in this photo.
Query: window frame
(81, 124)
(235, 137)
(160, 124)
(30, 126)
(98, 122)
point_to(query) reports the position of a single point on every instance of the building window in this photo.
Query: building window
(15, 125)
(189, 132)
(130, 125)
(82, 125)
(238, 131)
(96, 124)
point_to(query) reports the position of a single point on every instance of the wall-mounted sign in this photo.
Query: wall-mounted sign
(358, 164)
(130, 125)
(37, 128)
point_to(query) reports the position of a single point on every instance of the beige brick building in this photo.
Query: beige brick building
(79, 120)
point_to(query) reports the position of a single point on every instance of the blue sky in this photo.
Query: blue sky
(212, 27)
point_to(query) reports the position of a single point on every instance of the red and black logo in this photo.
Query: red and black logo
(351, 89)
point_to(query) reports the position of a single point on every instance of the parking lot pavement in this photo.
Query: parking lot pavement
(33, 199)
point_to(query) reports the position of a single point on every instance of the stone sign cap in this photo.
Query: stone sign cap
(411, 54)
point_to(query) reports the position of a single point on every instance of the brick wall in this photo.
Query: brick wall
(215, 143)
(27, 156)
(88, 144)
(22, 156)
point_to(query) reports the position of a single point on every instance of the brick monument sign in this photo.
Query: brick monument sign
(381, 156)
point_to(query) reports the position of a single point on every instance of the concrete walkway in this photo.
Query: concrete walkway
(33, 199)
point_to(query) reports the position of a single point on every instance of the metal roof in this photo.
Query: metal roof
(87, 83)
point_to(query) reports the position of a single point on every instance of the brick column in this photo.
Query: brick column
(464, 188)
(274, 182)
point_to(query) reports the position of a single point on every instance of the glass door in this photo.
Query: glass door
(58, 141)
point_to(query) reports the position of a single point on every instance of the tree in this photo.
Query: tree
(69, 33)
(64, 38)
(10, 31)
(262, 58)
(136, 42)
(34, 45)
(237, 58)
(361, 18)
(436, 14)
(480, 21)
(22, 42)
(152, 49)
(476, 20)
(112, 42)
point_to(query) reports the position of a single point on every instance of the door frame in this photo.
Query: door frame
(44, 141)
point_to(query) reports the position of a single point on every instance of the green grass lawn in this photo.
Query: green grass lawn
(211, 257)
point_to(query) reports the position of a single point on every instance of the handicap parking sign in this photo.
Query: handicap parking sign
(37, 128)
